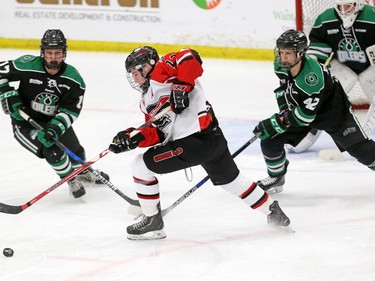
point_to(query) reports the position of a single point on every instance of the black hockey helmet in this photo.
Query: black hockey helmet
(53, 39)
(138, 59)
(291, 39)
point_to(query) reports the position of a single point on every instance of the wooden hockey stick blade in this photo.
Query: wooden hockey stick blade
(329, 59)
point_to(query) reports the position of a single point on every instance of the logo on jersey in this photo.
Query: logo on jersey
(27, 58)
(46, 103)
(311, 79)
(349, 50)
(168, 154)
(333, 31)
(348, 131)
(207, 4)
(35, 81)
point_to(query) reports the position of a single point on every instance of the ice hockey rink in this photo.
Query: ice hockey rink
(211, 235)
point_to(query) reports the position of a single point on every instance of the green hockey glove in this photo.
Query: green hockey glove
(270, 127)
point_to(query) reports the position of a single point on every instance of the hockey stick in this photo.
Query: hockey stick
(5, 208)
(9, 209)
(82, 162)
(329, 59)
(203, 181)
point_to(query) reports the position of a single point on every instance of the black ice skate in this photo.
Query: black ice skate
(273, 185)
(277, 216)
(149, 228)
(76, 188)
(88, 177)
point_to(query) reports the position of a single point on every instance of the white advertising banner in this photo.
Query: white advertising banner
(223, 23)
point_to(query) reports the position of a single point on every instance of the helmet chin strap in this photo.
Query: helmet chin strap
(290, 66)
(52, 66)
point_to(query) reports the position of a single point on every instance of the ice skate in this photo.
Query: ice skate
(87, 177)
(273, 185)
(149, 228)
(76, 188)
(277, 216)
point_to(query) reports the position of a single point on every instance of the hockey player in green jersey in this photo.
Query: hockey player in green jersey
(346, 30)
(51, 92)
(308, 96)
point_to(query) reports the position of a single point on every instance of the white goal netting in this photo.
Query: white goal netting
(310, 10)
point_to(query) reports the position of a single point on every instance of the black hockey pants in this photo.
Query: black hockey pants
(208, 149)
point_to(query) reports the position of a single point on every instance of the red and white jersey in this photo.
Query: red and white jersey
(181, 66)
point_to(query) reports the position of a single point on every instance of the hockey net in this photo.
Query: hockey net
(306, 13)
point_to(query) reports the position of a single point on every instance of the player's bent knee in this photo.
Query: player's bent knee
(53, 154)
(361, 152)
(139, 168)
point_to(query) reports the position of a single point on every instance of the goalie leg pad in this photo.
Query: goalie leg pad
(344, 74)
(306, 142)
(367, 82)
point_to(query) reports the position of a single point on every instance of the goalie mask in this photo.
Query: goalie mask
(348, 10)
(53, 39)
(291, 40)
(141, 62)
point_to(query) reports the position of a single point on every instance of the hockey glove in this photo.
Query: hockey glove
(53, 131)
(123, 142)
(270, 127)
(11, 102)
(47, 138)
(179, 97)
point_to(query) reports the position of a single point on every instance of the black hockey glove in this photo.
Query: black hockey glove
(123, 142)
(179, 97)
(270, 127)
(11, 102)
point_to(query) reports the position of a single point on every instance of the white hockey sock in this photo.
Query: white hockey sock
(251, 194)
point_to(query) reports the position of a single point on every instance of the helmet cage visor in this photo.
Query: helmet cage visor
(287, 66)
(130, 75)
(348, 11)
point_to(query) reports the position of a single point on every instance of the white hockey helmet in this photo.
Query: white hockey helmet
(349, 13)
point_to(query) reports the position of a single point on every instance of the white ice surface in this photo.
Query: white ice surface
(211, 235)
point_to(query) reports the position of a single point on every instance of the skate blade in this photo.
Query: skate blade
(275, 190)
(152, 235)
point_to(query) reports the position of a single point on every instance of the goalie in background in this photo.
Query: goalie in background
(51, 92)
(348, 31)
(187, 135)
(308, 97)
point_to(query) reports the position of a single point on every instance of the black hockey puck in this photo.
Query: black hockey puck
(8, 252)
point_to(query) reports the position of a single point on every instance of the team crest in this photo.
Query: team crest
(27, 58)
(46, 103)
(349, 50)
(311, 79)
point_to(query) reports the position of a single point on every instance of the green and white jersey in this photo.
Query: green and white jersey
(44, 95)
(349, 45)
(312, 98)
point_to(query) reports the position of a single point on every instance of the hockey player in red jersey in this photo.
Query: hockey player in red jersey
(186, 136)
